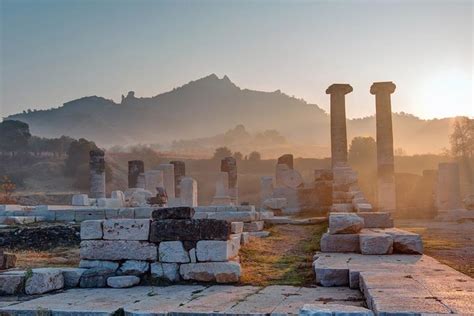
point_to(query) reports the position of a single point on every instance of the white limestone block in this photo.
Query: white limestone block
(126, 229)
(44, 280)
(173, 252)
(345, 223)
(217, 250)
(91, 229)
(118, 250)
(374, 243)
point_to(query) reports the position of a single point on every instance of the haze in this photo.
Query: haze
(56, 51)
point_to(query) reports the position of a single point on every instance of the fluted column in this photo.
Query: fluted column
(338, 122)
(386, 195)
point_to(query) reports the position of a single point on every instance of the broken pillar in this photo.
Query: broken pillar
(168, 179)
(179, 173)
(135, 167)
(338, 93)
(229, 165)
(266, 188)
(189, 192)
(448, 194)
(222, 196)
(153, 180)
(97, 173)
(386, 196)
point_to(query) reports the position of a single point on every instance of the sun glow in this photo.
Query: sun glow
(447, 93)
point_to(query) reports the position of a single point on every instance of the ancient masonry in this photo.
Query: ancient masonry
(386, 198)
(229, 166)
(179, 174)
(97, 174)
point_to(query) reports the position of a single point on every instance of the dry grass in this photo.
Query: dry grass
(58, 257)
(284, 258)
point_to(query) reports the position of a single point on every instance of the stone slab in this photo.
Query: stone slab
(218, 250)
(345, 223)
(375, 243)
(43, 280)
(254, 226)
(91, 229)
(173, 213)
(376, 219)
(340, 243)
(126, 229)
(118, 250)
(220, 272)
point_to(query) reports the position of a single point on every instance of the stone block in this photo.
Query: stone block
(405, 242)
(192, 255)
(118, 250)
(165, 271)
(173, 252)
(126, 229)
(260, 234)
(200, 215)
(126, 213)
(374, 243)
(345, 223)
(236, 227)
(182, 212)
(364, 207)
(238, 216)
(95, 277)
(189, 229)
(133, 267)
(88, 264)
(342, 208)
(340, 243)
(220, 272)
(80, 200)
(44, 280)
(111, 213)
(12, 283)
(91, 229)
(125, 281)
(332, 309)
(275, 203)
(72, 276)
(217, 250)
(244, 238)
(65, 215)
(84, 215)
(143, 212)
(254, 226)
(376, 219)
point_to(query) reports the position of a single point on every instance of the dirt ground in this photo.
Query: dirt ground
(451, 243)
(283, 258)
(57, 257)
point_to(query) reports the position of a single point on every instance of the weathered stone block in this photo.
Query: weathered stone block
(12, 283)
(244, 238)
(376, 219)
(126, 229)
(342, 208)
(220, 272)
(260, 234)
(345, 223)
(88, 264)
(126, 213)
(72, 276)
(84, 215)
(183, 212)
(44, 280)
(405, 242)
(254, 226)
(133, 267)
(143, 212)
(91, 229)
(364, 207)
(165, 271)
(123, 281)
(217, 250)
(373, 243)
(340, 243)
(118, 250)
(236, 227)
(95, 277)
(173, 252)
(80, 200)
(189, 229)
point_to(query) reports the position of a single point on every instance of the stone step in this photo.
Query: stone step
(376, 219)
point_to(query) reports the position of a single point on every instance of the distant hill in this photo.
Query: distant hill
(207, 107)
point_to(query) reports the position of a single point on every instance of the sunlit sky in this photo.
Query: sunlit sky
(54, 51)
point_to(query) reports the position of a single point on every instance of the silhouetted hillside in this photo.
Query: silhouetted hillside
(208, 106)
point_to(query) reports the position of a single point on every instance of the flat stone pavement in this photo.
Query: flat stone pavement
(403, 284)
(182, 300)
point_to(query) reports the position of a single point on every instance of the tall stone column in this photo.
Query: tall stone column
(338, 93)
(135, 167)
(266, 188)
(448, 187)
(229, 165)
(222, 196)
(97, 173)
(179, 173)
(386, 196)
(153, 181)
(189, 192)
(168, 180)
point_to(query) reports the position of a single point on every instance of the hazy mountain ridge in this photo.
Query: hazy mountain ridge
(208, 106)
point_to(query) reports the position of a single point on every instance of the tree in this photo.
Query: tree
(462, 138)
(14, 136)
(255, 156)
(221, 153)
(238, 155)
(78, 155)
(362, 150)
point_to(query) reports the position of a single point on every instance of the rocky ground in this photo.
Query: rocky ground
(451, 243)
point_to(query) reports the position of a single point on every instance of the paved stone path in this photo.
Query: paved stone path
(183, 299)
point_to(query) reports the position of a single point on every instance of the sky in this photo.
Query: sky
(55, 51)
